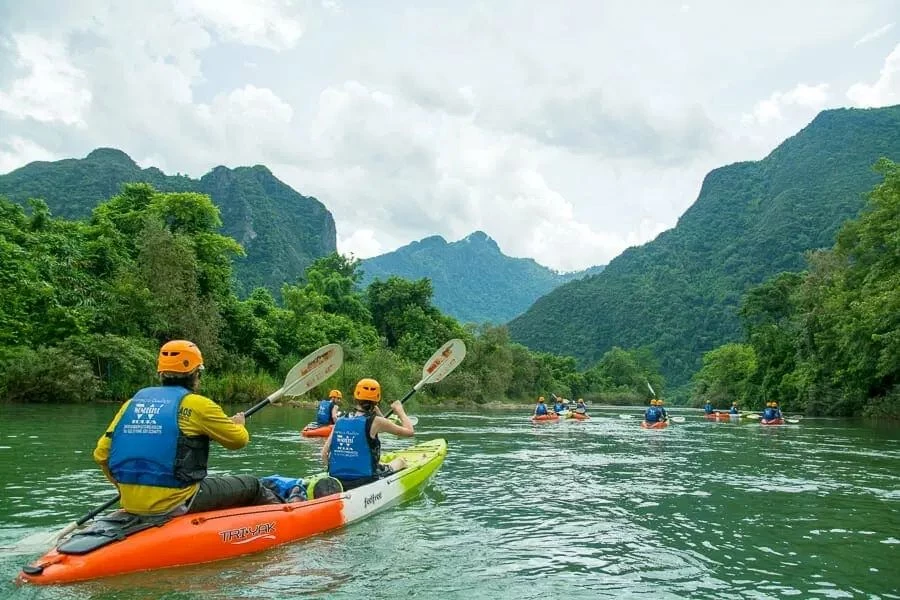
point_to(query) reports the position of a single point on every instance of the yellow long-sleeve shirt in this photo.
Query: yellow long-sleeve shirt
(197, 415)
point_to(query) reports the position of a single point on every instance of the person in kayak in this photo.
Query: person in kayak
(352, 452)
(156, 448)
(329, 409)
(541, 408)
(663, 415)
(708, 408)
(558, 406)
(580, 407)
(652, 414)
(734, 409)
(771, 412)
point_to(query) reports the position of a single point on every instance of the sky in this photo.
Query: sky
(567, 131)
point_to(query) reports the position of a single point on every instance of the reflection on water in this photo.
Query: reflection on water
(571, 509)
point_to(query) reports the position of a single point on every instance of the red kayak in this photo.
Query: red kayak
(316, 430)
(544, 418)
(772, 422)
(721, 416)
(657, 425)
(579, 416)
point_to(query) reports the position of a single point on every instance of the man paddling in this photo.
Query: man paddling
(329, 409)
(155, 450)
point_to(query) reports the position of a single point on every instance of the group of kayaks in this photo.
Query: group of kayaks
(715, 416)
(216, 535)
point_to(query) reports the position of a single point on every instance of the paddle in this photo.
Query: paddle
(304, 376)
(437, 367)
(668, 418)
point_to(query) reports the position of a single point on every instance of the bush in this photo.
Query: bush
(47, 375)
(238, 388)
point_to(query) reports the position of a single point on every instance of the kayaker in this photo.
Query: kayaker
(156, 448)
(771, 412)
(580, 407)
(708, 408)
(541, 408)
(652, 414)
(558, 406)
(352, 452)
(329, 409)
(663, 415)
(734, 409)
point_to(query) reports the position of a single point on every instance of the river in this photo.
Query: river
(572, 509)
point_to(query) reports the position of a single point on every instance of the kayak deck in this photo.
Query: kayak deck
(216, 535)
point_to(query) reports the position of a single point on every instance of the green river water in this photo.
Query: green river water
(564, 510)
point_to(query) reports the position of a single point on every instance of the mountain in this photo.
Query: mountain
(281, 230)
(472, 279)
(678, 294)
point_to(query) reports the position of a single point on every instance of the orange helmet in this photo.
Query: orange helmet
(179, 357)
(336, 394)
(540, 398)
(368, 390)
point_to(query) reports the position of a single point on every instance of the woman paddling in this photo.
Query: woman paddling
(352, 452)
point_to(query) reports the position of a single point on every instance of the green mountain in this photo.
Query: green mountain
(281, 230)
(678, 294)
(472, 279)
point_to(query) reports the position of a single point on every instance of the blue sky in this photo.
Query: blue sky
(567, 131)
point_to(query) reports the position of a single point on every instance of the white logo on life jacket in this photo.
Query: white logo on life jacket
(245, 535)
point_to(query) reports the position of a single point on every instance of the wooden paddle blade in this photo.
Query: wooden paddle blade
(443, 361)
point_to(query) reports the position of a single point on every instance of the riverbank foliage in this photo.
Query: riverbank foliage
(85, 305)
(825, 341)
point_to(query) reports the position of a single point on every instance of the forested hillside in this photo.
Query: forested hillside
(472, 279)
(679, 294)
(281, 231)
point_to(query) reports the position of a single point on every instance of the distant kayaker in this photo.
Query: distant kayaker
(329, 409)
(652, 414)
(580, 407)
(663, 415)
(559, 406)
(541, 408)
(771, 412)
(734, 409)
(156, 448)
(708, 408)
(352, 452)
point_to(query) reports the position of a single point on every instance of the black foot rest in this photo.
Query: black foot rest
(107, 530)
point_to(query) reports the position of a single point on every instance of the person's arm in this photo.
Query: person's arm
(335, 412)
(208, 418)
(101, 451)
(382, 425)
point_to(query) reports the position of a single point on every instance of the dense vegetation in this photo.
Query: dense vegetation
(679, 295)
(85, 304)
(473, 280)
(827, 340)
(281, 231)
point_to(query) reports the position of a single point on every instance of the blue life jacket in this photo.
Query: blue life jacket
(652, 415)
(541, 409)
(148, 448)
(580, 407)
(734, 410)
(323, 416)
(708, 408)
(353, 454)
(282, 486)
(559, 407)
(770, 413)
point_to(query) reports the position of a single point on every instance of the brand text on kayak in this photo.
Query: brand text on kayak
(248, 534)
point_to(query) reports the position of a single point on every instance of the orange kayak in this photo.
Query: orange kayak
(216, 535)
(316, 430)
(657, 425)
(772, 422)
(579, 416)
(721, 416)
(544, 418)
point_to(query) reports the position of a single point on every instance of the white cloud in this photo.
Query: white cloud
(362, 243)
(272, 24)
(808, 97)
(52, 89)
(873, 35)
(16, 152)
(885, 91)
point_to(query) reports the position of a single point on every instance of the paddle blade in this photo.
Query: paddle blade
(443, 361)
(313, 370)
(627, 416)
(677, 419)
(651, 389)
